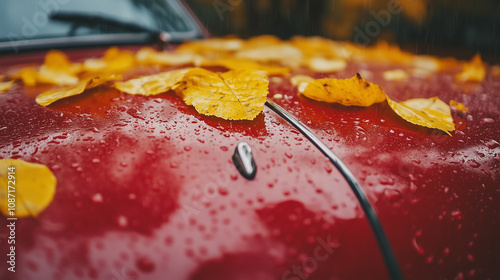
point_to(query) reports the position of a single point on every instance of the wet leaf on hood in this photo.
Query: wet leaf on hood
(432, 113)
(356, 91)
(152, 84)
(50, 96)
(34, 185)
(284, 53)
(320, 64)
(233, 95)
(148, 55)
(246, 64)
(28, 75)
(5, 86)
(113, 60)
(58, 69)
(473, 71)
(459, 106)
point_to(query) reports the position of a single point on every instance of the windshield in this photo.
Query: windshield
(31, 19)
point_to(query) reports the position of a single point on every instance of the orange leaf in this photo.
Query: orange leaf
(233, 95)
(32, 187)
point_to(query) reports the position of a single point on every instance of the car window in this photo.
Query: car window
(31, 20)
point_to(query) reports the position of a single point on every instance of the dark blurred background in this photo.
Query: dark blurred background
(457, 28)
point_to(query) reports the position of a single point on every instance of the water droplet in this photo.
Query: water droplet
(417, 247)
(122, 221)
(472, 163)
(144, 264)
(393, 195)
(223, 191)
(97, 198)
(487, 120)
(386, 181)
(224, 148)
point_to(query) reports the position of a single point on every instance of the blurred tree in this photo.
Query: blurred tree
(423, 26)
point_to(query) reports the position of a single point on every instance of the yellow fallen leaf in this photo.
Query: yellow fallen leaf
(301, 81)
(5, 86)
(58, 69)
(114, 60)
(50, 96)
(459, 106)
(314, 46)
(320, 64)
(152, 84)
(284, 53)
(233, 95)
(148, 55)
(382, 52)
(239, 64)
(432, 113)
(395, 75)
(28, 75)
(355, 91)
(30, 186)
(214, 48)
(260, 41)
(473, 71)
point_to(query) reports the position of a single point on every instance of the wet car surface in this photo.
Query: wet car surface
(147, 188)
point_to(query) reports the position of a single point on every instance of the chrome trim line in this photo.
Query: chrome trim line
(371, 215)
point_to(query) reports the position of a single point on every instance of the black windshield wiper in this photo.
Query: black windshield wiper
(92, 20)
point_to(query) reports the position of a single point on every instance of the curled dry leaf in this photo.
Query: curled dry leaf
(356, 91)
(5, 86)
(48, 97)
(34, 184)
(473, 71)
(233, 95)
(152, 84)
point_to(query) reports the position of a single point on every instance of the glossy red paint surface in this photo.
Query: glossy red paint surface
(147, 189)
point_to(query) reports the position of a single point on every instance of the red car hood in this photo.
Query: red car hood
(147, 188)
